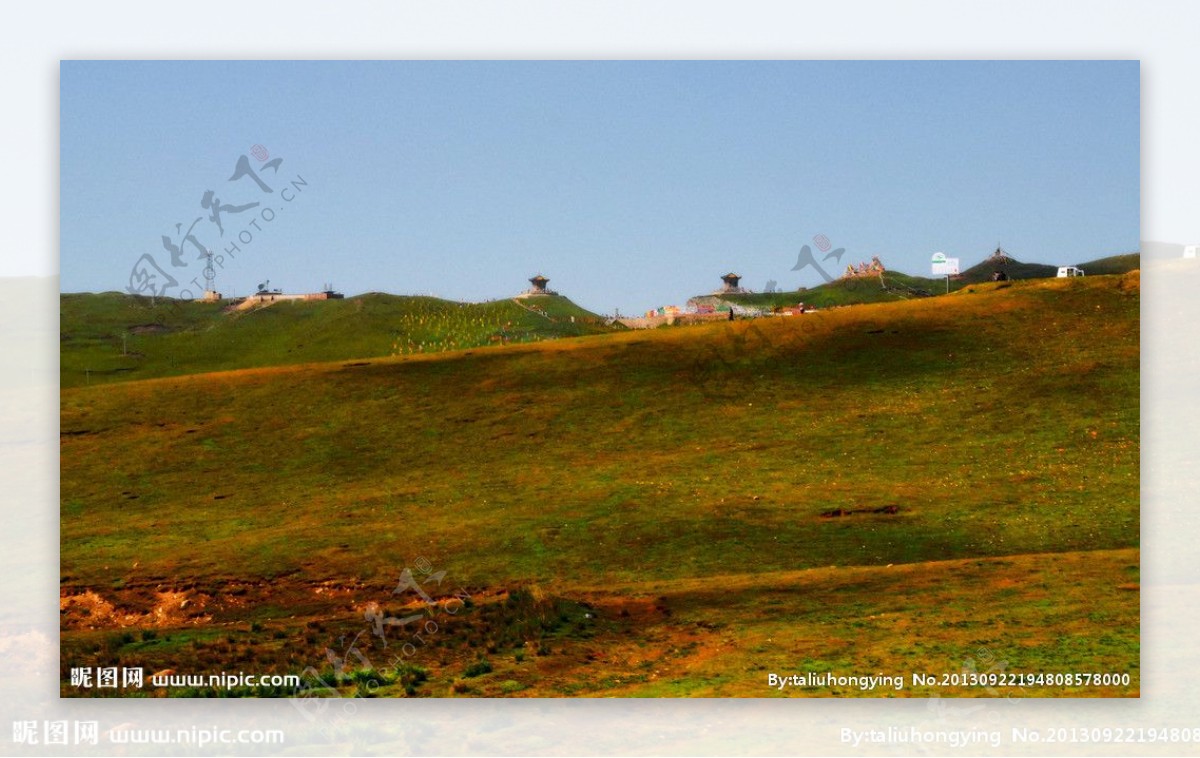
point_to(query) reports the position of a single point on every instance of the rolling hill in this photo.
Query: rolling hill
(894, 285)
(1113, 264)
(118, 337)
(890, 487)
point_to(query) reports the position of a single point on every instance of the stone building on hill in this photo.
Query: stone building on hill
(731, 286)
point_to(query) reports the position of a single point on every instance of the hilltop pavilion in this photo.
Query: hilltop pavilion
(731, 284)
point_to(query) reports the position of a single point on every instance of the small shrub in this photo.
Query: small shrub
(365, 689)
(478, 668)
(412, 674)
(520, 596)
(366, 677)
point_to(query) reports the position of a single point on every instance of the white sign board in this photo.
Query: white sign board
(945, 267)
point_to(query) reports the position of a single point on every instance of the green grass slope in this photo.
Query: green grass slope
(894, 285)
(982, 272)
(1114, 264)
(117, 337)
(999, 421)
(632, 481)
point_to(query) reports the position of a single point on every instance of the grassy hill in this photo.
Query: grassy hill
(660, 512)
(117, 337)
(982, 272)
(894, 285)
(1114, 264)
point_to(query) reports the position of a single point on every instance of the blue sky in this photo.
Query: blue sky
(629, 184)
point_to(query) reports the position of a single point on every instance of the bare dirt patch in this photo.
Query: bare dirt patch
(89, 610)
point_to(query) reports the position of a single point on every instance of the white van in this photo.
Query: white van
(1064, 271)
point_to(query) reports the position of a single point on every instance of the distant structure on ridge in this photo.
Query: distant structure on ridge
(731, 285)
(1000, 257)
(999, 261)
(539, 283)
(267, 296)
(874, 268)
(210, 280)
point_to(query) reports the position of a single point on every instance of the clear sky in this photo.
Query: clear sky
(629, 184)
